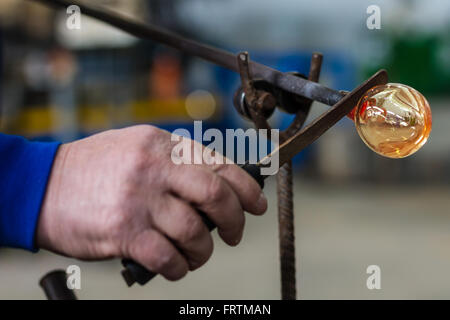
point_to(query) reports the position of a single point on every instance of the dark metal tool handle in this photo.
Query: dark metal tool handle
(55, 287)
(134, 272)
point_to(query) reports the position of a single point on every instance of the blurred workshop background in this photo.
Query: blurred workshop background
(353, 207)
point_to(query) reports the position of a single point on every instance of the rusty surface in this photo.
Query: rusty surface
(246, 78)
(286, 232)
(259, 103)
(285, 197)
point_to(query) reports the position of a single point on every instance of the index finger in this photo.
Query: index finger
(246, 188)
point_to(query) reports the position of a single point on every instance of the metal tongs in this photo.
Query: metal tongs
(134, 272)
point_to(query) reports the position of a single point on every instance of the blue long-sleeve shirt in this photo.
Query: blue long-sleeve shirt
(24, 171)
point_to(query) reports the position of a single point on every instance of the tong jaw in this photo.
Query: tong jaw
(320, 125)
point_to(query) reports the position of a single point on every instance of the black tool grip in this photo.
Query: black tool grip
(55, 286)
(134, 272)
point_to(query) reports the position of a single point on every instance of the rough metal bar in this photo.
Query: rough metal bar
(286, 232)
(286, 201)
(290, 83)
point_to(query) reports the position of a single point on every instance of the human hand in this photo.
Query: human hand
(118, 194)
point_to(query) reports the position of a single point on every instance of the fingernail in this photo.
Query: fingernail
(238, 239)
(261, 204)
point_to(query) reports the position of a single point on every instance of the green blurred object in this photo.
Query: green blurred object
(421, 61)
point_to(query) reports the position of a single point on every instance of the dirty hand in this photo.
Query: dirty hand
(118, 194)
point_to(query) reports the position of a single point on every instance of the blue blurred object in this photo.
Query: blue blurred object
(24, 167)
(1, 74)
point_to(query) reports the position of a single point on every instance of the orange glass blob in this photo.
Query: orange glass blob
(393, 120)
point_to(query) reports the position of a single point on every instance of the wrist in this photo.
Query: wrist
(48, 217)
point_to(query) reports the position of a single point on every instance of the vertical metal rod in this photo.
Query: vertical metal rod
(286, 201)
(286, 232)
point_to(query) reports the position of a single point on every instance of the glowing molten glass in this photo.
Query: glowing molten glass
(393, 120)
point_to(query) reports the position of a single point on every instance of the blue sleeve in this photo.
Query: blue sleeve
(24, 170)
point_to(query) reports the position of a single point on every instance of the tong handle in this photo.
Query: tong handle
(134, 272)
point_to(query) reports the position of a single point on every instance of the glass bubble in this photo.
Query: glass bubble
(393, 120)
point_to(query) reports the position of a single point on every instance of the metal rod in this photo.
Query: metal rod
(290, 83)
(286, 232)
(286, 201)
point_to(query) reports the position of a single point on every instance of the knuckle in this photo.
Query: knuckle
(148, 131)
(145, 131)
(119, 220)
(138, 155)
(192, 228)
(137, 159)
(164, 260)
(117, 225)
(125, 202)
(216, 190)
(147, 134)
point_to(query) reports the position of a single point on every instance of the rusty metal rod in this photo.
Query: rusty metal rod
(286, 201)
(287, 82)
(286, 232)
